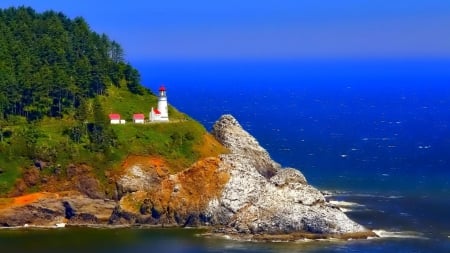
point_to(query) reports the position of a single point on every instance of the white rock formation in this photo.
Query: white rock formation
(262, 198)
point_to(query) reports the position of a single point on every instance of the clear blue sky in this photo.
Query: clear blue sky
(255, 29)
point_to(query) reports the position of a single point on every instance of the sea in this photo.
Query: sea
(372, 134)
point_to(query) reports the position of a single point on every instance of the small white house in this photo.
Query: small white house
(114, 118)
(138, 118)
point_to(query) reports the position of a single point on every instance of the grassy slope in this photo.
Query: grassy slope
(180, 143)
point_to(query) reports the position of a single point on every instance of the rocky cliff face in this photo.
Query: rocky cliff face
(49, 209)
(260, 197)
(243, 193)
(240, 143)
(164, 199)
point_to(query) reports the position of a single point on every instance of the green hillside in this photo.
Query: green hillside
(58, 82)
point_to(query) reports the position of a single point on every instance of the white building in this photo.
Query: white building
(114, 118)
(161, 113)
(138, 118)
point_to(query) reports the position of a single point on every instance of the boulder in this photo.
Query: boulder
(39, 164)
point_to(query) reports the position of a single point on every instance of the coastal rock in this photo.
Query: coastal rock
(172, 200)
(81, 178)
(137, 179)
(243, 192)
(142, 174)
(48, 209)
(262, 198)
(288, 177)
(78, 178)
(229, 133)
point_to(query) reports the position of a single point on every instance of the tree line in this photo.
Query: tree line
(51, 64)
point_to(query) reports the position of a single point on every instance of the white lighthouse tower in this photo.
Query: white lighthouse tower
(162, 112)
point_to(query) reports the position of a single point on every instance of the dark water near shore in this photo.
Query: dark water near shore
(75, 240)
(375, 134)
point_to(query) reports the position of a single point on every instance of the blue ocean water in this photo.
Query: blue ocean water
(374, 134)
(343, 123)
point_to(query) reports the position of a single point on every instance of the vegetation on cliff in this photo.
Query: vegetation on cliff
(50, 64)
(58, 82)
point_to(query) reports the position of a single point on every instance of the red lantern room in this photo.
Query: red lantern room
(162, 91)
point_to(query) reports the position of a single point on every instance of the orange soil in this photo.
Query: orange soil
(199, 184)
(25, 199)
(147, 163)
(195, 186)
(143, 160)
(210, 147)
(33, 197)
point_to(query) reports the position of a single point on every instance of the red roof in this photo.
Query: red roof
(114, 116)
(156, 111)
(162, 88)
(138, 116)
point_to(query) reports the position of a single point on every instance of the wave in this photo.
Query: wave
(346, 206)
(401, 234)
(331, 193)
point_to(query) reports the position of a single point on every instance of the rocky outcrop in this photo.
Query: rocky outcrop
(49, 209)
(240, 143)
(262, 198)
(80, 177)
(171, 200)
(142, 174)
(242, 192)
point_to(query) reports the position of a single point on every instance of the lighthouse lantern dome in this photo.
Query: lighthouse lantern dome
(162, 91)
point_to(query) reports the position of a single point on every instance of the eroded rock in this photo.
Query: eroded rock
(48, 209)
(243, 192)
(174, 200)
(229, 133)
(141, 174)
(262, 198)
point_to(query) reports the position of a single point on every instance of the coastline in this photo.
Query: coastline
(248, 196)
(209, 232)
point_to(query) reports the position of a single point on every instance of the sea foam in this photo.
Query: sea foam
(400, 234)
(347, 206)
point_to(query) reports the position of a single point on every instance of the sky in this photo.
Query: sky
(265, 29)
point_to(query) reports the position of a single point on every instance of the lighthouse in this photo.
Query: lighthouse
(161, 113)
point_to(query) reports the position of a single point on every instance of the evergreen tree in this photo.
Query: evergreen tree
(50, 63)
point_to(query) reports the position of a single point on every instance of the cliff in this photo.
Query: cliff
(262, 198)
(243, 193)
(48, 130)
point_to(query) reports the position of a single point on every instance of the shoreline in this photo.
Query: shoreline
(208, 232)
